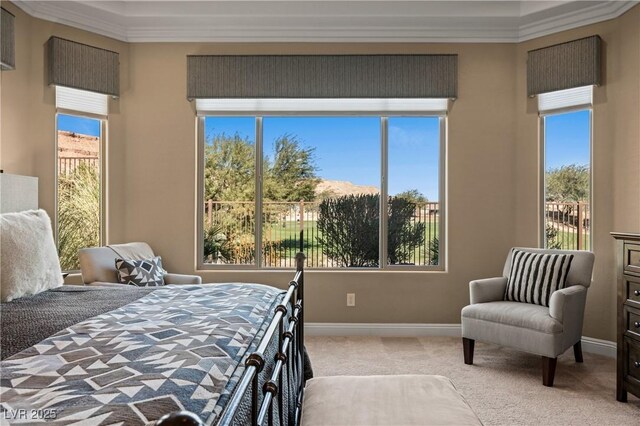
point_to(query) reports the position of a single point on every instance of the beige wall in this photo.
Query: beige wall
(492, 165)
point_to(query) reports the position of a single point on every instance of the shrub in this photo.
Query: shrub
(404, 235)
(434, 251)
(349, 230)
(78, 214)
(551, 234)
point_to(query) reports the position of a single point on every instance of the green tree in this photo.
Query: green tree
(414, 196)
(229, 168)
(229, 176)
(292, 175)
(568, 184)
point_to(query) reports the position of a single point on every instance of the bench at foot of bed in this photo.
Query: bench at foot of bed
(385, 400)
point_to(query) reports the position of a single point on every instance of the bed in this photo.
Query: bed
(229, 353)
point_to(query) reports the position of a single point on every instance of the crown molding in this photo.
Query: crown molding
(591, 15)
(396, 26)
(80, 17)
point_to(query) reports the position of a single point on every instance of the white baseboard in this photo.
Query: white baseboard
(589, 344)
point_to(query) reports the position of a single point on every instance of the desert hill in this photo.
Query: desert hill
(76, 145)
(339, 188)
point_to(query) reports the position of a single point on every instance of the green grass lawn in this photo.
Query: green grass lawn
(569, 241)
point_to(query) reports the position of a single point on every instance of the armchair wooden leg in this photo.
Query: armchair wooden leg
(548, 370)
(467, 346)
(577, 351)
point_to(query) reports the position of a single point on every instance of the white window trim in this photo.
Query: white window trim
(542, 237)
(200, 266)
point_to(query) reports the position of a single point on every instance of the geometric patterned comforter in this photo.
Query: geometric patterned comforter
(177, 348)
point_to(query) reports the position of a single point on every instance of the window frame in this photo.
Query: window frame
(542, 115)
(102, 153)
(201, 266)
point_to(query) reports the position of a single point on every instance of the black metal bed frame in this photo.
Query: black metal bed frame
(289, 360)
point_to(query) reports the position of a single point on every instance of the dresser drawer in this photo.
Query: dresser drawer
(632, 290)
(633, 322)
(632, 364)
(631, 261)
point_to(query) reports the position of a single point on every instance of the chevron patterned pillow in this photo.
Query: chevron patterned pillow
(535, 276)
(141, 273)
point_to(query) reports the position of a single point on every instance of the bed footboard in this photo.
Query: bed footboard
(287, 326)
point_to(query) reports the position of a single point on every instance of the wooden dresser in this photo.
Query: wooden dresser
(628, 266)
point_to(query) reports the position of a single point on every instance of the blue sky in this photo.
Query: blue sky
(567, 139)
(82, 125)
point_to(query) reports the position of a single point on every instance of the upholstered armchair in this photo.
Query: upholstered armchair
(541, 330)
(98, 264)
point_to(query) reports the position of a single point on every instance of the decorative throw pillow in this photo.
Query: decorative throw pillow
(141, 273)
(535, 276)
(28, 257)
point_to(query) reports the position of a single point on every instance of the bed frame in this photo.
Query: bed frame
(287, 326)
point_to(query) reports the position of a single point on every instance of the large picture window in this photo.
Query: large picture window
(350, 191)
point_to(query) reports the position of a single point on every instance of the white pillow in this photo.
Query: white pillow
(28, 257)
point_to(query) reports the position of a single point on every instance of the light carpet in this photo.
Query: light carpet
(504, 387)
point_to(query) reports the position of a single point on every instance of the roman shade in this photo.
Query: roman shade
(7, 40)
(324, 105)
(581, 97)
(84, 67)
(564, 66)
(82, 101)
(322, 76)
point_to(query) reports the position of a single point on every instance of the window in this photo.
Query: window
(350, 190)
(79, 178)
(566, 131)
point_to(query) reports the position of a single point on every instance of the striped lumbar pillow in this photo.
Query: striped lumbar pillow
(535, 276)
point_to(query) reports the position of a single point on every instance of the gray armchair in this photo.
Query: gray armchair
(546, 331)
(98, 264)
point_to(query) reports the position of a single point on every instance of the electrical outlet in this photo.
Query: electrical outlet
(351, 299)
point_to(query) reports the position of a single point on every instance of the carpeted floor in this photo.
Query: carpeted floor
(504, 387)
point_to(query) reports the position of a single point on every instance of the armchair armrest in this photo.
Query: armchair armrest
(487, 290)
(567, 304)
(182, 279)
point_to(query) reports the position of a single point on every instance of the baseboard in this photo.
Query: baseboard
(589, 344)
(381, 329)
(599, 347)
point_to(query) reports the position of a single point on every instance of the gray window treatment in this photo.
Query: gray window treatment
(84, 67)
(322, 76)
(7, 40)
(564, 66)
